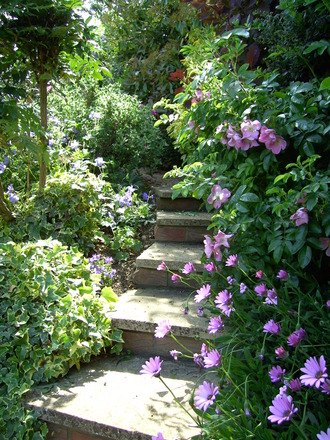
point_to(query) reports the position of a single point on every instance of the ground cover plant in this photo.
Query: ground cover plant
(254, 152)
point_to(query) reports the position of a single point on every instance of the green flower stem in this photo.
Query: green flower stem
(179, 343)
(176, 400)
(232, 382)
(299, 429)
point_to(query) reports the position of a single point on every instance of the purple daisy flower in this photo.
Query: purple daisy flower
(282, 275)
(295, 385)
(276, 374)
(261, 289)
(202, 293)
(215, 325)
(159, 436)
(272, 327)
(163, 328)
(162, 266)
(224, 302)
(205, 395)
(315, 372)
(271, 297)
(232, 260)
(295, 338)
(174, 354)
(188, 268)
(324, 435)
(282, 409)
(326, 386)
(152, 367)
(281, 353)
(242, 288)
(212, 359)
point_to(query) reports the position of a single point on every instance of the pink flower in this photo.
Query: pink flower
(222, 239)
(276, 374)
(323, 435)
(215, 325)
(218, 196)
(282, 409)
(210, 267)
(246, 144)
(203, 293)
(281, 353)
(175, 278)
(282, 275)
(271, 297)
(272, 327)
(261, 289)
(205, 395)
(212, 359)
(191, 124)
(250, 130)
(300, 216)
(325, 242)
(224, 302)
(163, 328)
(199, 95)
(326, 386)
(232, 260)
(208, 246)
(259, 274)
(188, 268)
(158, 437)
(162, 266)
(152, 367)
(295, 385)
(296, 337)
(242, 288)
(272, 141)
(315, 372)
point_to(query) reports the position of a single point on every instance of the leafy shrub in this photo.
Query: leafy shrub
(53, 316)
(110, 124)
(143, 41)
(294, 39)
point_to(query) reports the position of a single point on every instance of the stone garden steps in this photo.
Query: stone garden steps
(108, 398)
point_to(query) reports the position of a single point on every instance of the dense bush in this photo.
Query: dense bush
(143, 40)
(53, 316)
(111, 124)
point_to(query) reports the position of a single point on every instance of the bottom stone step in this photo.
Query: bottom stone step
(109, 399)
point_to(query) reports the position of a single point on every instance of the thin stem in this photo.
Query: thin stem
(299, 429)
(177, 401)
(181, 345)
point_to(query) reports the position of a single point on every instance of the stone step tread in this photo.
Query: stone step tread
(176, 255)
(109, 398)
(184, 218)
(141, 309)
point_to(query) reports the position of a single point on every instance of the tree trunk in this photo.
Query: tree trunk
(4, 211)
(43, 120)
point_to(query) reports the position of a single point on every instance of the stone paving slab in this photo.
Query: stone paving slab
(143, 309)
(109, 398)
(177, 218)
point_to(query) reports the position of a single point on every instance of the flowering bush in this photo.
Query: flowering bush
(264, 345)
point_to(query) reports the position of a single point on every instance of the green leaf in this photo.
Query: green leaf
(325, 84)
(304, 256)
(109, 294)
(250, 197)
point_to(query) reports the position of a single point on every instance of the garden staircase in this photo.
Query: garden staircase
(108, 398)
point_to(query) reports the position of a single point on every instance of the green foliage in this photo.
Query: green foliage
(224, 94)
(294, 39)
(143, 40)
(53, 316)
(111, 124)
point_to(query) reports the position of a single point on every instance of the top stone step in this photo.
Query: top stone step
(165, 202)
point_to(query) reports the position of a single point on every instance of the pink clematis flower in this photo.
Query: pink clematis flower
(325, 242)
(300, 216)
(272, 141)
(250, 129)
(222, 239)
(208, 246)
(218, 196)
